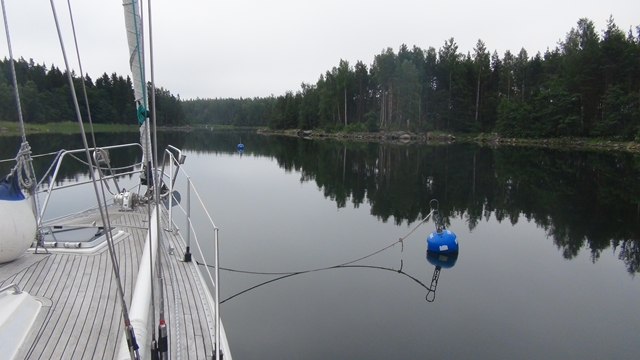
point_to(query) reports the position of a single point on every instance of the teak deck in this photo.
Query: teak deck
(81, 317)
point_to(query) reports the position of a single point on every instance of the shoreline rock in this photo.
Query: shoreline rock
(574, 143)
(404, 137)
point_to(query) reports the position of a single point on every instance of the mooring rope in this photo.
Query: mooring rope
(336, 267)
(289, 273)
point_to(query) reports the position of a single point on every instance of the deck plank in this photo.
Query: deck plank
(91, 302)
(57, 324)
(66, 333)
(104, 311)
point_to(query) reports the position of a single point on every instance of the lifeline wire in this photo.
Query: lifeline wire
(33, 156)
(327, 267)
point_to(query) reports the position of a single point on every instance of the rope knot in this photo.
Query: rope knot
(24, 168)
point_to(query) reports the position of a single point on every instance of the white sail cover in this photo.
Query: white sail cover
(133, 24)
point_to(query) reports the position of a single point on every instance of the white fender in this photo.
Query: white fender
(17, 228)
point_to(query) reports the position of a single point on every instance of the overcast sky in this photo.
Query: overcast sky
(248, 48)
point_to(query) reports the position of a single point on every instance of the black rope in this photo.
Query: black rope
(400, 240)
(303, 271)
(333, 267)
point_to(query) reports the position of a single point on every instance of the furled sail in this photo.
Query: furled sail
(133, 23)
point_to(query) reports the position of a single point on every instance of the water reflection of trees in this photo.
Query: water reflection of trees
(582, 199)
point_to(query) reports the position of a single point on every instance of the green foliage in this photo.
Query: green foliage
(354, 128)
(284, 114)
(238, 112)
(372, 124)
(329, 128)
(45, 97)
(514, 119)
(168, 108)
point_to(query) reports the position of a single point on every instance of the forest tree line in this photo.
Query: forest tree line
(587, 86)
(237, 112)
(45, 97)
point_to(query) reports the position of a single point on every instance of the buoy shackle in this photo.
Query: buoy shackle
(438, 220)
(434, 204)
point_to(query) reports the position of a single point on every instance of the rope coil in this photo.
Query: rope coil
(24, 168)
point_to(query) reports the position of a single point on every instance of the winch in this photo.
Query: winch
(126, 200)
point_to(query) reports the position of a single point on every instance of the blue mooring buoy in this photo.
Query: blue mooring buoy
(443, 241)
(444, 261)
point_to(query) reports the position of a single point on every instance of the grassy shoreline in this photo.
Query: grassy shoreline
(13, 128)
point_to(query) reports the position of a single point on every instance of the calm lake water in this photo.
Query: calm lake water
(549, 247)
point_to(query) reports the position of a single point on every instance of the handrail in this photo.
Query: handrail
(172, 175)
(52, 182)
(89, 181)
(14, 286)
(179, 161)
